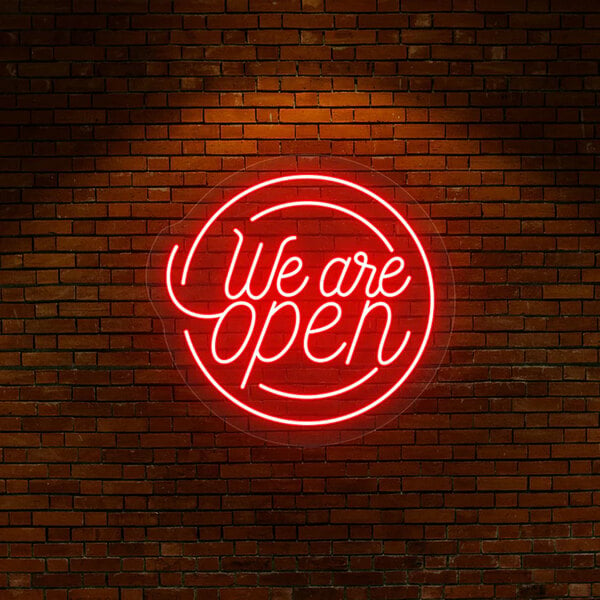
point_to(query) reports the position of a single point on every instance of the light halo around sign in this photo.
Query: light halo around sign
(285, 179)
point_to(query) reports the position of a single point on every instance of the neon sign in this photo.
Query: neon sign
(305, 299)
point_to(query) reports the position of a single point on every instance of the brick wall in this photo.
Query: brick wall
(116, 114)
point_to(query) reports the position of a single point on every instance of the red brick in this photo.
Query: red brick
(115, 481)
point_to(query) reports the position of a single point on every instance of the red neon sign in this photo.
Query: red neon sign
(306, 299)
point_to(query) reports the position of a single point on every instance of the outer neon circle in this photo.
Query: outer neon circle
(237, 401)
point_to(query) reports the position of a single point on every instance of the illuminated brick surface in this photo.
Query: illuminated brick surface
(116, 484)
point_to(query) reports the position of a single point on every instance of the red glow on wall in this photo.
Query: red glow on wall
(316, 300)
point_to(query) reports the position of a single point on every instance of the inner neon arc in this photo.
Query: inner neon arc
(197, 315)
(264, 387)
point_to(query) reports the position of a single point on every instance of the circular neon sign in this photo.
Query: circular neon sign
(305, 299)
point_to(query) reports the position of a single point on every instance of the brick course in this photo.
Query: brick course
(115, 484)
